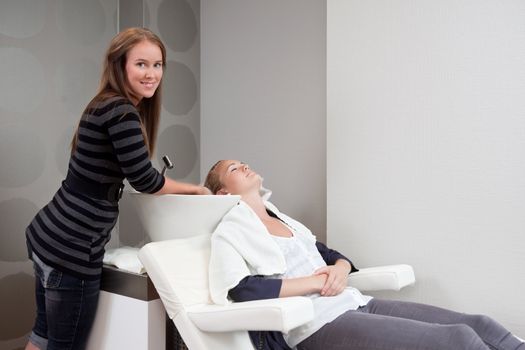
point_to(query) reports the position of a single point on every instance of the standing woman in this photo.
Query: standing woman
(115, 139)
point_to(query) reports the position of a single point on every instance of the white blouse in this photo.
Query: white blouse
(303, 259)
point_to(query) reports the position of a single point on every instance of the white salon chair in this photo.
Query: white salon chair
(179, 271)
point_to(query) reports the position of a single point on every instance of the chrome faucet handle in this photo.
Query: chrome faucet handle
(167, 164)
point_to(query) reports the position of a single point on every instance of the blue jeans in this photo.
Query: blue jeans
(66, 307)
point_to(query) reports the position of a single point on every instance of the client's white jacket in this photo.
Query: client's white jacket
(242, 246)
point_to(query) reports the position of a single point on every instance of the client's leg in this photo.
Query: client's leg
(357, 330)
(490, 331)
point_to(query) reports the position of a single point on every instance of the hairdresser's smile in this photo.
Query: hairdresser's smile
(149, 84)
(144, 70)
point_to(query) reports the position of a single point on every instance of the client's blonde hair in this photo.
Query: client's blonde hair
(213, 179)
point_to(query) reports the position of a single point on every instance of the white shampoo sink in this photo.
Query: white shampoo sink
(177, 216)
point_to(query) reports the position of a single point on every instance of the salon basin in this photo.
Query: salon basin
(172, 216)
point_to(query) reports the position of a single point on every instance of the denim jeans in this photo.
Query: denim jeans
(397, 325)
(66, 307)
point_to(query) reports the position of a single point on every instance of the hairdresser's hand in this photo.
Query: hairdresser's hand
(337, 277)
(203, 190)
(175, 187)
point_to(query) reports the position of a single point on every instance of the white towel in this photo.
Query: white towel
(242, 246)
(125, 258)
(263, 191)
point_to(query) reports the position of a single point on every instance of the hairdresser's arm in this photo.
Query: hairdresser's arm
(172, 186)
(125, 134)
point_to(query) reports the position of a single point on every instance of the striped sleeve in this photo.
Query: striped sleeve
(126, 137)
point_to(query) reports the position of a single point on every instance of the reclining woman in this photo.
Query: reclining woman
(257, 252)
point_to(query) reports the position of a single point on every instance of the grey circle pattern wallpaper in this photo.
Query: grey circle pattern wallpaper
(178, 142)
(181, 83)
(177, 24)
(51, 53)
(15, 214)
(14, 10)
(19, 67)
(83, 22)
(74, 80)
(22, 152)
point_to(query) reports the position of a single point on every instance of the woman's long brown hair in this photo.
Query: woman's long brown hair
(114, 82)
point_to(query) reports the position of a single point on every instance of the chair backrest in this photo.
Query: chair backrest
(179, 271)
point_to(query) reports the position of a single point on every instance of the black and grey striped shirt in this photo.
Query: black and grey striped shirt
(70, 232)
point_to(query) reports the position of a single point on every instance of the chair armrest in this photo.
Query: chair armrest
(390, 277)
(280, 314)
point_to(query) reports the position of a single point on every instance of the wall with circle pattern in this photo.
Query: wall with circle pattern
(51, 52)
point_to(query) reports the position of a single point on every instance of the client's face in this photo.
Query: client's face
(237, 177)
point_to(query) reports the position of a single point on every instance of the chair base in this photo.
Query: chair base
(174, 340)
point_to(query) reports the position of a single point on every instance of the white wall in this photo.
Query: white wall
(426, 146)
(263, 85)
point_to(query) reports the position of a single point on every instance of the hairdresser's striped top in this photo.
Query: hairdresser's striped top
(71, 231)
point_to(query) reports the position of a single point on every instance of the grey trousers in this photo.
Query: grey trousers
(397, 325)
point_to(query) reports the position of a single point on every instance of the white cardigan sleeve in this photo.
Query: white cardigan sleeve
(241, 246)
(227, 269)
